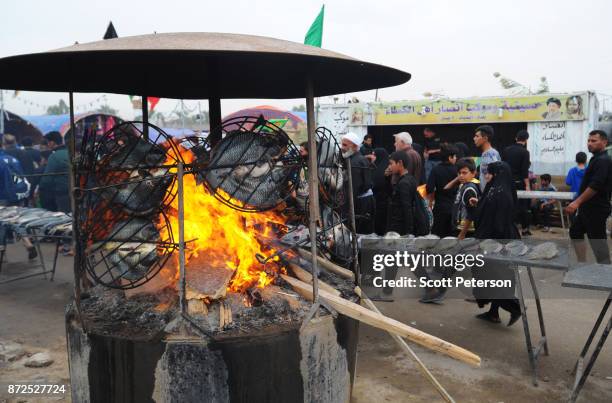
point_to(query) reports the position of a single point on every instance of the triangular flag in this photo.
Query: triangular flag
(314, 36)
(152, 102)
(110, 32)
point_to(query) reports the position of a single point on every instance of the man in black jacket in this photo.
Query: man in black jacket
(517, 157)
(439, 177)
(363, 196)
(592, 206)
(400, 218)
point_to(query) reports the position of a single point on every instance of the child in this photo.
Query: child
(440, 175)
(541, 212)
(402, 217)
(466, 200)
(574, 176)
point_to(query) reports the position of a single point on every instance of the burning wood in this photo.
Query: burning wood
(254, 297)
(225, 314)
(204, 281)
(197, 307)
(223, 236)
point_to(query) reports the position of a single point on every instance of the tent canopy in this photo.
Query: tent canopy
(21, 127)
(61, 123)
(195, 65)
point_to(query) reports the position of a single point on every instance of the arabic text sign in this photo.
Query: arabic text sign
(551, 142)
(511, 109)
(335, 119)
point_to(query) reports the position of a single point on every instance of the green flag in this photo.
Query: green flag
(314, 36)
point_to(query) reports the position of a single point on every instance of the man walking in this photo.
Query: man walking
(439, 177)
(432, 151)
(592, 206)
(517, 157)
(482, 139)
(403, 142)
(13, 192)
(363, 196)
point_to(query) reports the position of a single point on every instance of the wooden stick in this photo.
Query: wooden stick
(228, 314)
(404, 346)
(380, 321)
(221, 315)
(306, 277)
(326, 264)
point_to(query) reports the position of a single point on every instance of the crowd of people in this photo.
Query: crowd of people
(34, 176)
(416, 189)
(466, 199)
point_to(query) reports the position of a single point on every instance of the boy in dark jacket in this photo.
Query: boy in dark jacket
(440, 176)
(464, 209)
(401, 217)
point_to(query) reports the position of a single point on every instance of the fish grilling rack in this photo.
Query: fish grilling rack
(253, 168)
(125, 183)
(335, 238)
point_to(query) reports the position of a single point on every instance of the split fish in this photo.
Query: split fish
(131, 249)
(132, 166)
(251, 168)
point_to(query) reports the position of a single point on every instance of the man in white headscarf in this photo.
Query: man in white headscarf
(362, 183)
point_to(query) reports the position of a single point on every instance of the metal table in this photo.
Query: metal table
(590, 277)
(560, 262)
(35, 236)
(558, 196)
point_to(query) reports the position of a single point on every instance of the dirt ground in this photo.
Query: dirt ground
(32, 313)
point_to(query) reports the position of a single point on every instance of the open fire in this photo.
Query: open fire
(221, 236)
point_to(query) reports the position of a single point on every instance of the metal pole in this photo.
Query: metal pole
(351, 212)
(181, 228)
(1, 111)
(145, 117)
(73, 205)
(313, 188)
(214, 120)
(182, 114)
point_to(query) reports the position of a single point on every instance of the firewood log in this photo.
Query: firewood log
(380, 321)
(306, 277)
(327, 265)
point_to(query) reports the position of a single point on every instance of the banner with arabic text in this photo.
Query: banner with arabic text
(546, 107)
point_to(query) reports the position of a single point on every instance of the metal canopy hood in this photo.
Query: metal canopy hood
(195, 66)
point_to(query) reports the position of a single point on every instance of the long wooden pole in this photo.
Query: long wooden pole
(313, 187)
(326, 264)
(380, 321)
(404, 346)
(76, 236)
(145, 117)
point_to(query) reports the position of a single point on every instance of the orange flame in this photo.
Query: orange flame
(225, 236)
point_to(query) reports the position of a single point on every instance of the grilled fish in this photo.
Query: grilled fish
(131, 249)
(132, 167)
(249, 167)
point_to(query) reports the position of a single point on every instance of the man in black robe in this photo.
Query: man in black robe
(363, 196)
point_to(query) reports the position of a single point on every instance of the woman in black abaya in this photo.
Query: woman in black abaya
(381, 189)
(495, 221)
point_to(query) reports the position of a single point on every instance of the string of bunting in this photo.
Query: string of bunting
(101, 100)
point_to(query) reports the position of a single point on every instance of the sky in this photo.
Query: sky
(450, 47)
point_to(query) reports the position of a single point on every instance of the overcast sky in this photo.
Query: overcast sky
(449, 47)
